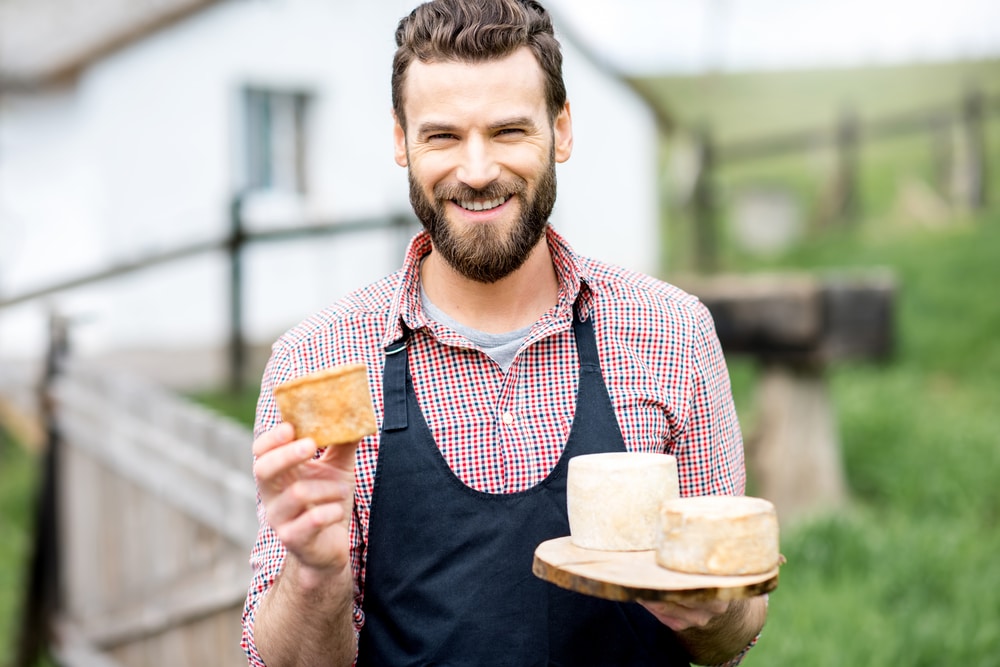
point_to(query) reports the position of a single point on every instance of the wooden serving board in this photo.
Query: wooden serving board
(626, 576)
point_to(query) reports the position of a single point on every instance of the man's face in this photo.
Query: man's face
(481, 156)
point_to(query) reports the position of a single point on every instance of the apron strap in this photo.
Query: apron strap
(586, 342)
(394, 383)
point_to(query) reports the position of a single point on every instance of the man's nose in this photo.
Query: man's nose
(479, 166)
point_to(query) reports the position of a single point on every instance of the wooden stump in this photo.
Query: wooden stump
(794, 457)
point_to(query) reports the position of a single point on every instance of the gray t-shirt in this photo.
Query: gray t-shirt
(501, 348)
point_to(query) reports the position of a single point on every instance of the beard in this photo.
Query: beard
(487, 253)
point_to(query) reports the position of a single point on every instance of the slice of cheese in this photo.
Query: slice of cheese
(332, 406)
(718, 535)
(613, 499)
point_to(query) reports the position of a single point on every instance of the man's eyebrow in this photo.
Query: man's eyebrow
(514, 121)
(432, 127)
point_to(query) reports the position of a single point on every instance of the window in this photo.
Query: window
(275, 149)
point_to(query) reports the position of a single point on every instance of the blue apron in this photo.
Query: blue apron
(448, 576)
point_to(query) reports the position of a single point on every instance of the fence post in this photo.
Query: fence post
(942, 152)
(42, 593)
(237, 341)
(846, 205)
(975, 138)
(704, 201)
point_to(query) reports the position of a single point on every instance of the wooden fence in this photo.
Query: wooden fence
(141, 556)
(964, 122)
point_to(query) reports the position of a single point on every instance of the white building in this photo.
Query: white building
(126, 127)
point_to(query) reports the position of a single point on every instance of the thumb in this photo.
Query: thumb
(341, 456)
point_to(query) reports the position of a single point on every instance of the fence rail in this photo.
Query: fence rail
(238, 238)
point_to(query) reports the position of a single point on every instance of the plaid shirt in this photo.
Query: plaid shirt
(504, 432)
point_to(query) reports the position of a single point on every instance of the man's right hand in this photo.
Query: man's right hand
(306, 617)
(308, 500)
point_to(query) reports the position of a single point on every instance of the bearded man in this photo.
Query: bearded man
(495, 355)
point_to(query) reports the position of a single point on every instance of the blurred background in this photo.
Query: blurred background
(183, 180)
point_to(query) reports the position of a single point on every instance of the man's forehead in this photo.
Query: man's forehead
(520, 65)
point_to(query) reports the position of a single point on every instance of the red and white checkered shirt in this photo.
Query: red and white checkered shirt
(504, 432)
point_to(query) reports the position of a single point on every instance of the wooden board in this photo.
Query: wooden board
(626, 576)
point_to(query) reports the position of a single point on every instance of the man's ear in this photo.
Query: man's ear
(562, 130)
(399, 141)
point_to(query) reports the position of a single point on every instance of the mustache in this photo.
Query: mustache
(494, 190)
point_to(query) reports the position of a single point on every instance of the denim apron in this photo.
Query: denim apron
(448, 576)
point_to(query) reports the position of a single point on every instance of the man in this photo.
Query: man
(495, 354)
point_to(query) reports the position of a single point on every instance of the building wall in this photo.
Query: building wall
(141, 155)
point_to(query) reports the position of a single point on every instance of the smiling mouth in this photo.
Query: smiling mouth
(481, 204)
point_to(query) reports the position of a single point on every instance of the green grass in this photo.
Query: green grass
(18, 482)
(241, 406)
(910, 575)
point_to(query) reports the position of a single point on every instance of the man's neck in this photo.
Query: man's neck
(514, 302)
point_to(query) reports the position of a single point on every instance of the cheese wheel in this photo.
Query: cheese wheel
(613, 499)
(332, 406)
(718, 535)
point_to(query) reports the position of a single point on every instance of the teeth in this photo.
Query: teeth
(481, 205)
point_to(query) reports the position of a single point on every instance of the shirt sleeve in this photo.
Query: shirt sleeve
(738, 658)
(709, 449)
(268, 554)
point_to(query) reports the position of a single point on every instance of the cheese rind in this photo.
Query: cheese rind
(718, 535)
(332, 406)
(613, 499)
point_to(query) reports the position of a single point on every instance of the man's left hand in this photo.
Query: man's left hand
(714, 631)
(677, 616)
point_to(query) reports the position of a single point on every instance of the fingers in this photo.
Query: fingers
(341, 456)
(280, 435)
(303, 525)
(677, 616)
(318, 537)
(305, 495)
(308, 500)
(279, 457)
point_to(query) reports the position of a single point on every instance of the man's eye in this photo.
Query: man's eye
(511, 131)
(440, 137)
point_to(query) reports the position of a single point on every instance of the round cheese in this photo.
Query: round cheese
(613, 499)
(718, 535)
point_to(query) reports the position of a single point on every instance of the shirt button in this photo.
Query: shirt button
(508, 418)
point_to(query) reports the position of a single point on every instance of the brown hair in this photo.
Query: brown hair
(478, 31)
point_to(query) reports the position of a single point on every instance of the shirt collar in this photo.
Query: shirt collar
(406, 308)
